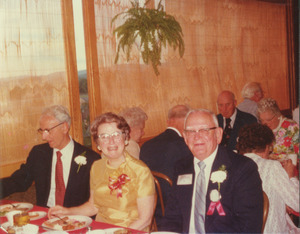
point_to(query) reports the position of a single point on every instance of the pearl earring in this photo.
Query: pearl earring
(126, 142)
(98, 147)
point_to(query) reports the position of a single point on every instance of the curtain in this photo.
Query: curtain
(33, 72)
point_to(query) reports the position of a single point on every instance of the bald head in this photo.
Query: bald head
(226, 103)
(176, 116)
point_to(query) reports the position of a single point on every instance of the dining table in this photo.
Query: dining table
(93, 226)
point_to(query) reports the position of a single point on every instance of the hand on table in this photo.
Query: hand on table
(57, 211)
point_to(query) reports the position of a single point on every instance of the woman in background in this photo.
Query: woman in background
(122, 187)
(136, 118)
(286, 131)
(255, 142)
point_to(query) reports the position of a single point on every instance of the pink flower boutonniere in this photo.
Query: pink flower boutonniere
(215, 195)
(116, 183)
(80, 160)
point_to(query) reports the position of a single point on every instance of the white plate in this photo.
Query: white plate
(165, 232)
(55, 232)
(73, 218)
(19, 206)
(112, 230)
(27, 229)
(37, 215)
(98, 231)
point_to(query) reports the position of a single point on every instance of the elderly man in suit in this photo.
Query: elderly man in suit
(215, 191)
(231, 119)
(60, 168)
(161, 152)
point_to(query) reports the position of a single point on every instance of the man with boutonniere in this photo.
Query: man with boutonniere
(59, 168)
(215, 191)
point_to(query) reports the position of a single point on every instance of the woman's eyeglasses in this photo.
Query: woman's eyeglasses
(116, 136)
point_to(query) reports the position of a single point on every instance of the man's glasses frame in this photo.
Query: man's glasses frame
(48, 130)
(204, 131)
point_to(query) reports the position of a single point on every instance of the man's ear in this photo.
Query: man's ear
(219, 134)
(66, 127)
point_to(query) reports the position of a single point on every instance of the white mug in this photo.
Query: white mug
(293, 157)
(10, 216)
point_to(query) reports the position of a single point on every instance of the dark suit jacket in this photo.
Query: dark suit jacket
(242, 118)
(242, 197)
(38, 169)
(160, 154)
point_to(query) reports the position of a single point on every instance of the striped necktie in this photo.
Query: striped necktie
(200, 198)
(60, 188)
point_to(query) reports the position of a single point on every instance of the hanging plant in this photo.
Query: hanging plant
(153, 27)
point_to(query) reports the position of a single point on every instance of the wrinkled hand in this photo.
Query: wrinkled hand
(289, 167)
(57, 211)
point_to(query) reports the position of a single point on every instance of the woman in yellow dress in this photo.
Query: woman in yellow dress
(122, 189)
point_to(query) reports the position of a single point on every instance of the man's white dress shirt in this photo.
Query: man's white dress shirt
(208, 165)
(66, 159)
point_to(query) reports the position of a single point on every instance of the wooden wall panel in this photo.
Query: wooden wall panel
(227, 44)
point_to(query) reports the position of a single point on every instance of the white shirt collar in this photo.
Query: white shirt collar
(233, 117)
(174, 129)
(281, 119)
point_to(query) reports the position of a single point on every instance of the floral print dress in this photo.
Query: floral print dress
(286, 139)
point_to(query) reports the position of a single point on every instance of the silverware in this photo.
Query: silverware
(14, 206)
(61, 219)
(3, 229)
(48, 228)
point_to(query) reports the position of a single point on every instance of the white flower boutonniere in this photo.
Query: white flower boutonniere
(215, 195)
(80, 160)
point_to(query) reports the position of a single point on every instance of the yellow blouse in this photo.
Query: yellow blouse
(119, 206)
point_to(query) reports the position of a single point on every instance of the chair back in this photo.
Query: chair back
(159, 194)
(266, 210)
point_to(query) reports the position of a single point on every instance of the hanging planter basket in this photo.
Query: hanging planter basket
(152, 28)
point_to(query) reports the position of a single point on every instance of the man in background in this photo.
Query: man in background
(231, 119)
(215, 191)
(161, 152)
(252, 94)
(60, 168)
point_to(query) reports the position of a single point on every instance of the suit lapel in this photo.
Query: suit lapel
(48, 162)
(221, 159)
(73, 168)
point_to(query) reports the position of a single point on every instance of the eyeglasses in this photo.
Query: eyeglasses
(48, 130)
(267, 120)
(203, 131)
(116, 136)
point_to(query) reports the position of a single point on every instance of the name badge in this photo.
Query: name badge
(185, 179)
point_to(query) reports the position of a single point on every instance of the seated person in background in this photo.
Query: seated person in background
(215, 191)
(231, 119)
(136, 118)
(255, 142)
(122, 187)
(286, 131)
(68, 186)
(161, 152)
(252, 94)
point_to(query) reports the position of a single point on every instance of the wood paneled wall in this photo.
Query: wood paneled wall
(227, 44)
